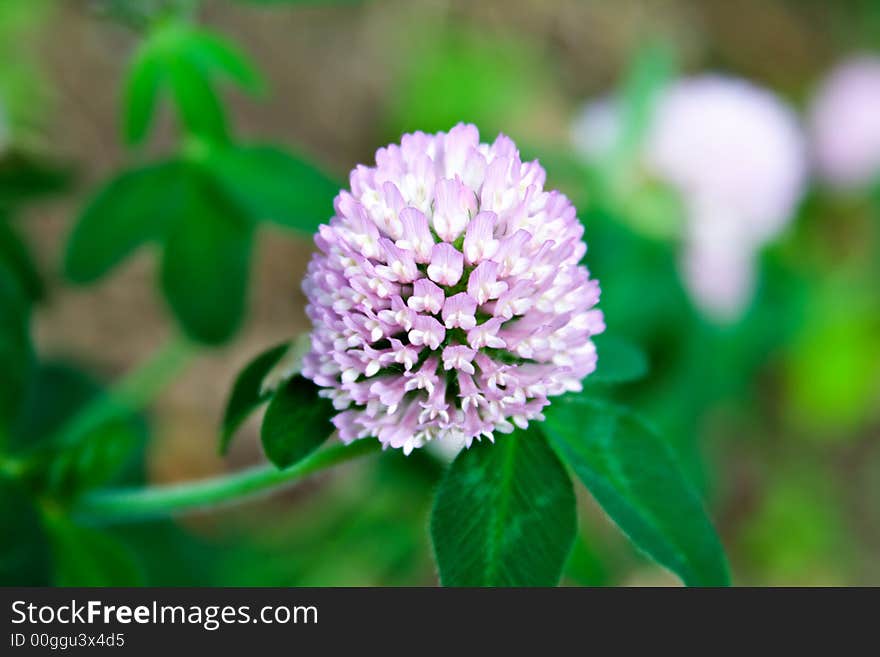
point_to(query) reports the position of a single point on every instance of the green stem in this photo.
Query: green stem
(127, 505)
(134, 392)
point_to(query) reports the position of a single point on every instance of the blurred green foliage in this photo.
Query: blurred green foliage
(16, 350)
(455, 74)
(203, 204)
(796, 535)
(24, 553)
(832, 374)
(24, 94)
(42, 473)
(184, 61)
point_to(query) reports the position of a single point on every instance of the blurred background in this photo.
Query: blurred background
(771, 402)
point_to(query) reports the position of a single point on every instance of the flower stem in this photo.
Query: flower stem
(130, 505)
(134, 391)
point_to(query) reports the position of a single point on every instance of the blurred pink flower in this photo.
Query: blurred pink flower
(736, 155)
(718, 265)
(597, 128)
(845, 124)
(447, 299)
(725, 143)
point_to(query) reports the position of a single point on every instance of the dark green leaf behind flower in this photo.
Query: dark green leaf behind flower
(297, 422)
(248, 392)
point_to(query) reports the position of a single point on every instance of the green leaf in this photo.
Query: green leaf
(131, 209)
(15, 255)
(248, 392)
(619, 361)
(57, 393)
(649, 73)
(215, 53)
(142, 93)
(23, 178)
(186, 60)
(634, 476)
(296, 423)
(87, 557)
(504, 514)
(274, 185)
(198, 106)
(16, 352)
(206, 262)
(24, 551)
(586, 566)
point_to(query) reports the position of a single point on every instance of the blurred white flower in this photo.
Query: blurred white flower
(596, 129)
(736, 155)
(727, 144)
(718, 263)
(845, 124)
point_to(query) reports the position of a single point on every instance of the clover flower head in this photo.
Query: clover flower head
(845, 124)
(446, 297)
(735, 153)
